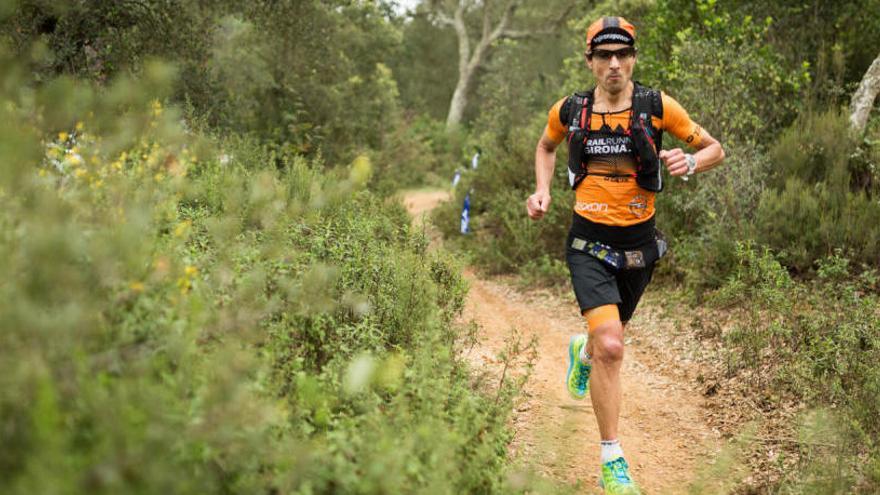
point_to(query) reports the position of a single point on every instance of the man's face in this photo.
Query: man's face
(612, 65)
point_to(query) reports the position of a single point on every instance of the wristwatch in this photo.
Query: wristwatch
(691, 163)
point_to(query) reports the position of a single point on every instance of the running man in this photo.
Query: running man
(614, 134)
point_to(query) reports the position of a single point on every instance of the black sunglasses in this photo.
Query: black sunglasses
(606, 55)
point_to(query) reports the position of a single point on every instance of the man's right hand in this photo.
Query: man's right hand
(538, 204)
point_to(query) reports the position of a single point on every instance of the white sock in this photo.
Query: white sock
(611, 450)
(584, 357)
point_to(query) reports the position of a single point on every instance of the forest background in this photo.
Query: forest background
(210, 287)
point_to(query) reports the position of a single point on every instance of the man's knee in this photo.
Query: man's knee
(608, 341)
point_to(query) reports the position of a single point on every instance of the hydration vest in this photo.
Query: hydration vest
(647, 140)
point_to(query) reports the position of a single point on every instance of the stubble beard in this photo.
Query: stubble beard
(615, 88)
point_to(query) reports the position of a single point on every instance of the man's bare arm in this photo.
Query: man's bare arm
(545, 163)
(709, 155)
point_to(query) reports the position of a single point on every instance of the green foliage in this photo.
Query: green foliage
(816, 148)
(308, 76)
(521, 80)
(702, 57)
(819, 204)
(184, 314)
(418, 153)
(705, 217)
(505, 239)
(426, 67)
(838, 40)
(98, 39)
(815, 343)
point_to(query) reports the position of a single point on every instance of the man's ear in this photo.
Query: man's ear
(588, 60)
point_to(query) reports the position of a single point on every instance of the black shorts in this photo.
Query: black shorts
(596, 284)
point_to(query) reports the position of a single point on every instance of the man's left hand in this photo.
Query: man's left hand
(675, 161)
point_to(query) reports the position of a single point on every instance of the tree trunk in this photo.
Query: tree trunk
(459, 100)
(468, 67)
(492, 30)
(863, 99)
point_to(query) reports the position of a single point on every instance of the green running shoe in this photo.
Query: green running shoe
(615, 478)
(578, 377)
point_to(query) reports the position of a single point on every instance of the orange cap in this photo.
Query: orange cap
(611, 30)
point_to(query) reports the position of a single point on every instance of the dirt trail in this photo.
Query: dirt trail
(663, 429)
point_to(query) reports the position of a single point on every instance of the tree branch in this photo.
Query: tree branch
(472, 54)
(509, 10)
(863, 99)
(487, 18)
(549, 27)
(464, 42)
(519, 35)
(443, 19)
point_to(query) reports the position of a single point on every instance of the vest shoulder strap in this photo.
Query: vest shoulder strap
(647, 100)
(576, 110)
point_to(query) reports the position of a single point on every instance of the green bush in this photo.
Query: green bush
(504, 238)
(418, 153)
(816, 148)
(189, 315)
(821, 200)
(308, 75)
(816, 343)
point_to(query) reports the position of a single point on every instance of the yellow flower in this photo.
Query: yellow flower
(80, 173)
(79, 126)
(190, 271)
(136, 286)
(43, 172)
(182, 228)
(158, 177)
(184, 284)
(62, 136)
(75, 160)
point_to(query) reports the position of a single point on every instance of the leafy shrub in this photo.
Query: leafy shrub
(816, 148)
(418, 152)
(706, 216)
(504, 238)
(262, 68)
(815, 343)
(190, 315)
(817, 205)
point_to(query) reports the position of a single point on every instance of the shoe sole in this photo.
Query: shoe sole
(601, 484)
(571, 360)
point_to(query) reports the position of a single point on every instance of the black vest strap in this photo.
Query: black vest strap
(647, 140)
(580, 113)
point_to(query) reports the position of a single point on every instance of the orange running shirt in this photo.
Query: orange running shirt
(619, 201)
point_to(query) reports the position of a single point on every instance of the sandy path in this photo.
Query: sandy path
(662, 427)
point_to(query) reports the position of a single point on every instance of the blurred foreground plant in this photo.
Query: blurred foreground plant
(187, 315)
